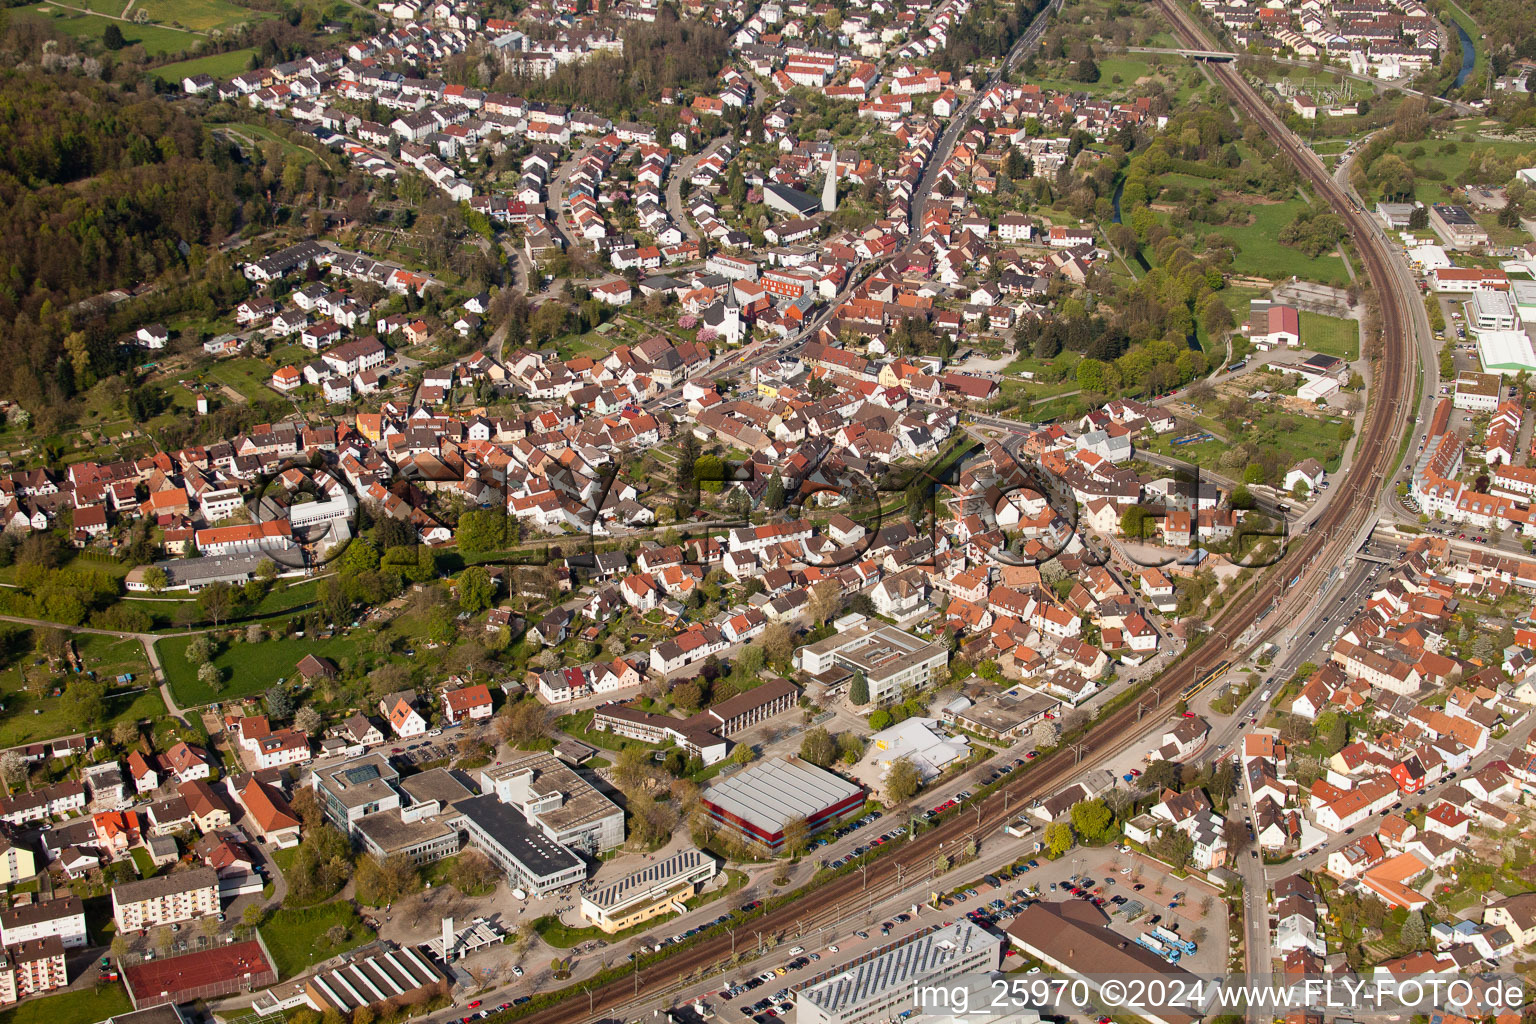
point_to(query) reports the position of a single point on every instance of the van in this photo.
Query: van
(1264, 697)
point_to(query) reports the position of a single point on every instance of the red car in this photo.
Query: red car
(475, 1005)
(1031, 755)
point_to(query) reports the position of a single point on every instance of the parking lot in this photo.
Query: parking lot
(423, 752)
(1135, 892)
(426, 751)
(854, 827)
(1188, 907)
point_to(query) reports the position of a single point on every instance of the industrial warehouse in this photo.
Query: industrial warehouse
(760, 801)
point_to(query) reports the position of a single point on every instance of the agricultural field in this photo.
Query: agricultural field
(219, 65)
(154, 38)
(197, 15)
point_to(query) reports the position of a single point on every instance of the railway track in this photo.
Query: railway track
(1325, 546)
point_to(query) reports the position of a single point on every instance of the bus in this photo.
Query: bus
(1205, 680)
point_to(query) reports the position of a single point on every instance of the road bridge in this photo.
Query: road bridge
(1217, 56)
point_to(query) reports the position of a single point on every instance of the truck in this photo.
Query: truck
(1150, 942)
(1171, 938)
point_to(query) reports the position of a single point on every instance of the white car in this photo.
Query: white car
(832, 949)
(797, 951)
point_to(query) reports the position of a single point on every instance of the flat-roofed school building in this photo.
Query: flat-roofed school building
(650, 892)
(890, 658)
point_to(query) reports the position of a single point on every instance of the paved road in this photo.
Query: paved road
(681, 173)
(962, 120)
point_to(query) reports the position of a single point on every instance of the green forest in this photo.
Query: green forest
(99, 188)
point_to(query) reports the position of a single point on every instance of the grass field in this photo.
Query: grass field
(1297, 436)
(248, 668)
(91, 1004)
(304, 154)
(219, 65)
(29, 719)
(248, 376)
(1452, 165)
(141, 861)
(281, 599)
(154, 38)
(1330, 335)
(296, 938)
(1237, 299)
(1260, 254)
(1126, 67)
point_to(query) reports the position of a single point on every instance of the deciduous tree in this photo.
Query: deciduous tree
(902, 780)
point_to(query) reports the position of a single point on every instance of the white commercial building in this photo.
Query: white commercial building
(1476, 392)
(313, 513)
(883, 986)
(1491, 310)
(919, 740)
(1505, 352)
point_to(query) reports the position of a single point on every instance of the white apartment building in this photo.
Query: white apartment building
(64, 917)
(166, 899)
(220, 504)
